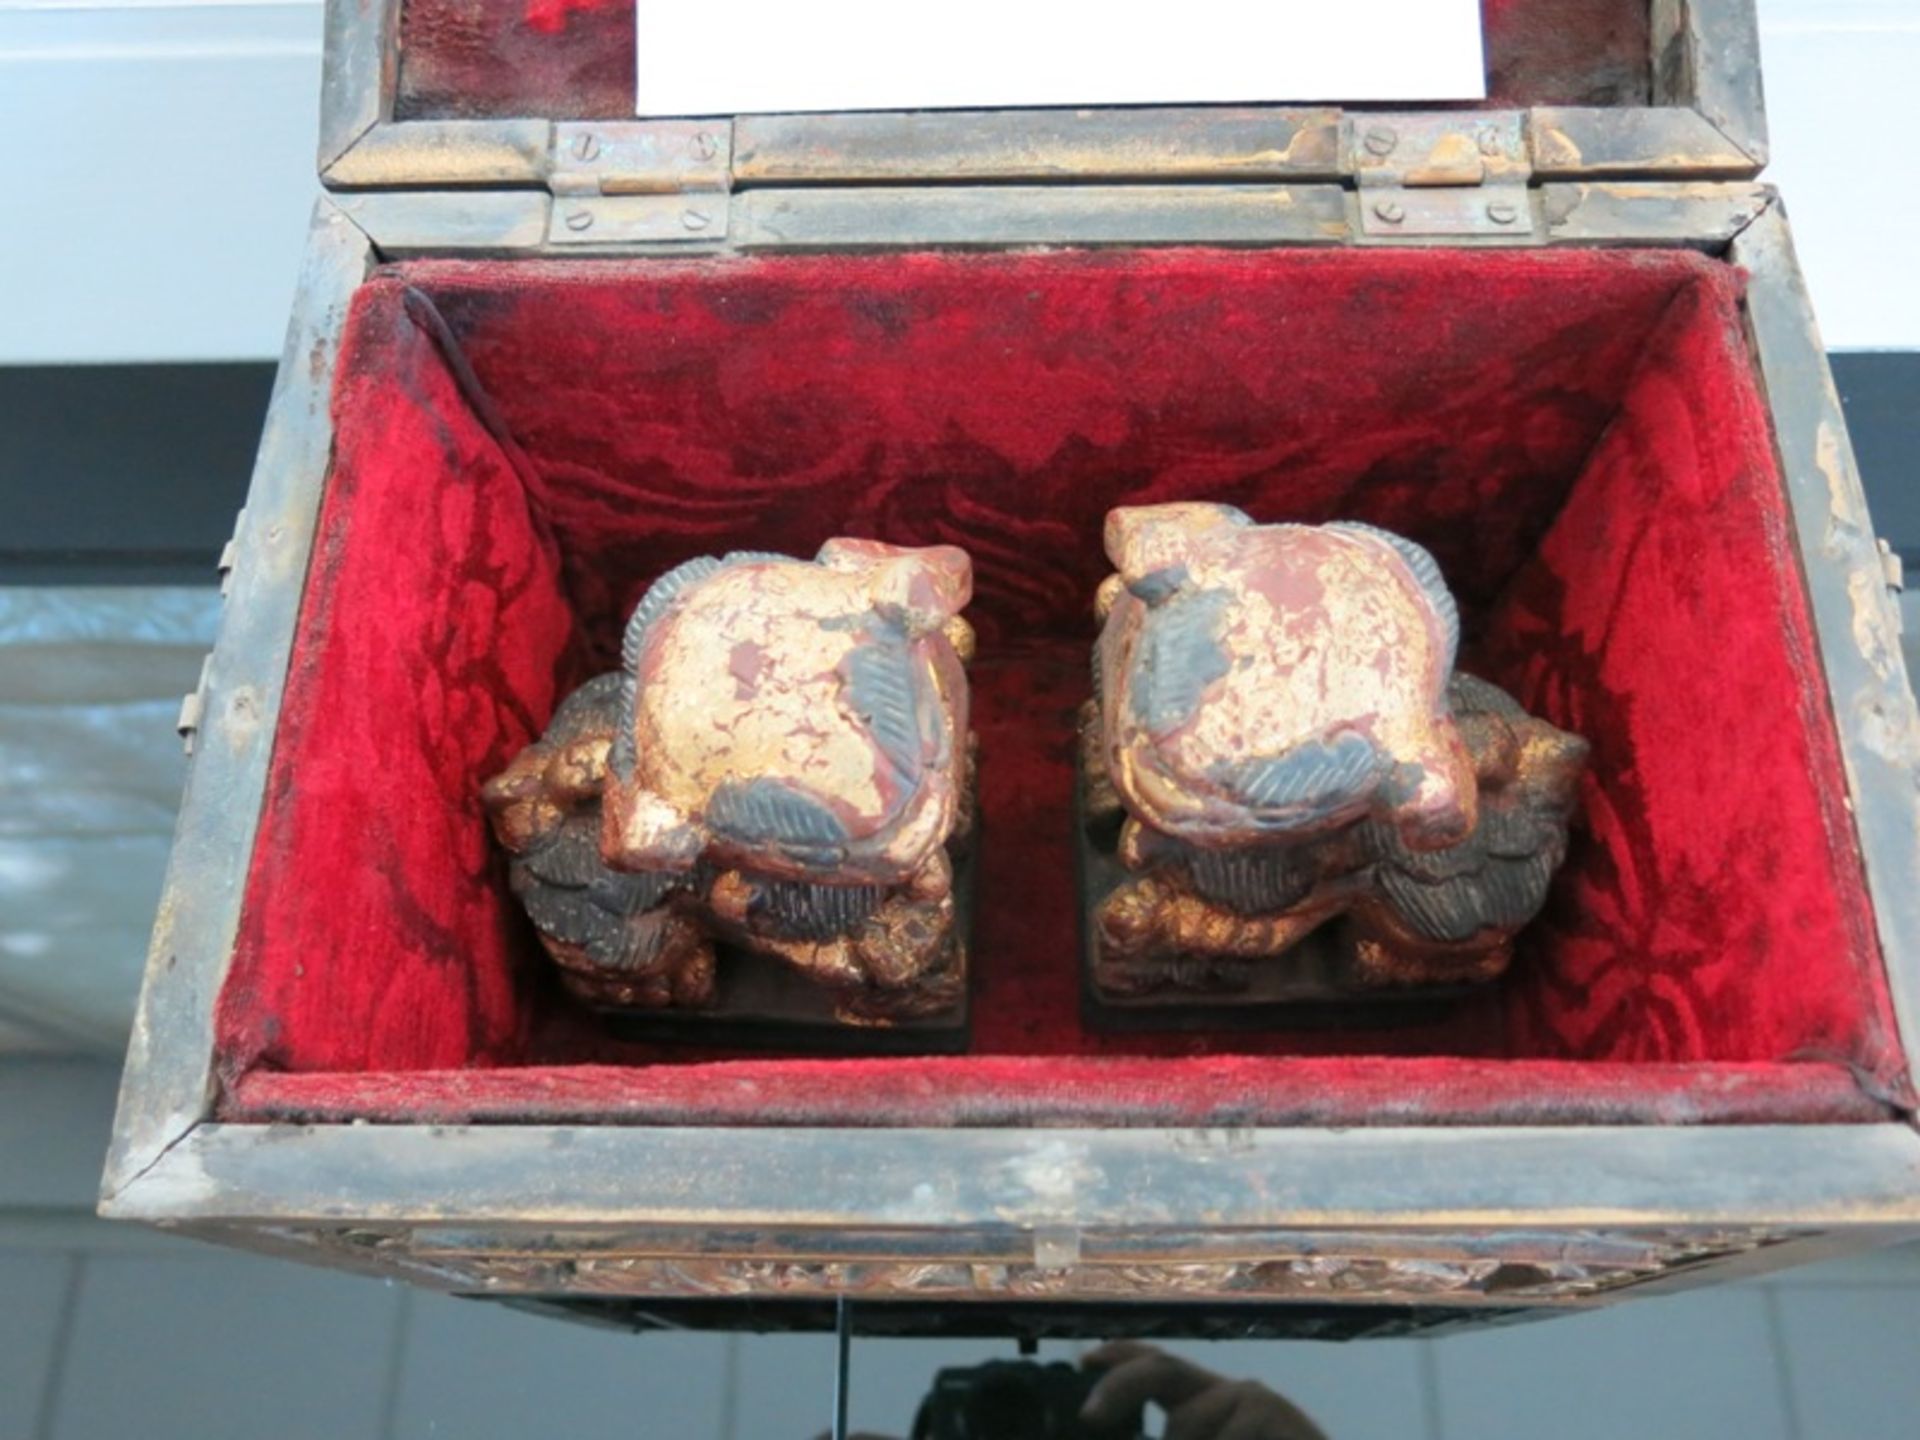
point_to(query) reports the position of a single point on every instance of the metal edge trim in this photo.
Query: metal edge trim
(1674, 143)
(1044, 215)
(1671, 143)
(1816, 1176)
(166, 1088)
(403, 223)
(1723, 42)
(1855, 618)
(424, 222)
(518, 222)
(357, 77)
(1705, 215)
(392, 154)
(1277, 142)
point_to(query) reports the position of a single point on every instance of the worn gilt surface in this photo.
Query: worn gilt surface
(781, 765)
(1282, 741)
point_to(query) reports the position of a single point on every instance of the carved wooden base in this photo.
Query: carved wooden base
(1323, 979)
(762, 1003)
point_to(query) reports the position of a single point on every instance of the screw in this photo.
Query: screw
(695, 219)
(1503, 212)
(1489, 141)
(580, 220)
(1391, 211)
(1381, 141)
(705, 147)
(586, 145)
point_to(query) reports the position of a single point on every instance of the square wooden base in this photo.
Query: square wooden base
(764, 1004)
(1313, 984)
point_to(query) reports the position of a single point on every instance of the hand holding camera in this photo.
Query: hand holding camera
(1105, 1399)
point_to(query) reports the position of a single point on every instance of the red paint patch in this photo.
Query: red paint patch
(550, 17)
(746, 662)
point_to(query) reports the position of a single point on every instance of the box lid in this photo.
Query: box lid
(539, 94)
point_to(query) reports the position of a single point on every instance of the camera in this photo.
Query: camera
(1010, 1400)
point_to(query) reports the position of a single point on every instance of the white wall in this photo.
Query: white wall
(156, 172)
(1841, 77)
(156, 159)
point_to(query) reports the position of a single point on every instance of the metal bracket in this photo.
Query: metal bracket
(1432, 175)
(192, 707)
(602, 220)
(230, 553)
(655, 182)
(1056, 1247)
(1892, 568)
(655, 157)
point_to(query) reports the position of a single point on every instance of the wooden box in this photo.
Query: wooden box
(541, 351)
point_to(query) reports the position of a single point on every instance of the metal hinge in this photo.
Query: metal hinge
(192, 707)
(1892, 569)
(653, 181)
(230, 553)
(1056, 1247)
(1450, 174)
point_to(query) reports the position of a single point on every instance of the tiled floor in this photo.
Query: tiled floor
(185, 1344)
(1699, 1365)
(475, 1369)
(34, 1306)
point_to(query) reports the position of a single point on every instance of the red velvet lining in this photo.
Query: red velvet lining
(1215, 1091)
(1649, 612)
(1575, 434)
(573, 59)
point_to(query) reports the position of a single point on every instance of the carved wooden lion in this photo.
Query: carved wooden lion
(780, 765)
(1281, 736)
